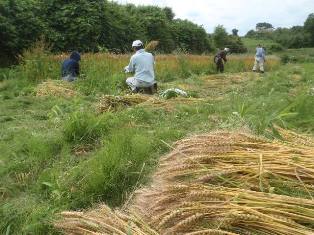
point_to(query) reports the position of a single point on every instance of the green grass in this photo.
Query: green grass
(41, 173)
(251, 43)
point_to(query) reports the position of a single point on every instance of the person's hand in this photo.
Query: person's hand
(126, 69)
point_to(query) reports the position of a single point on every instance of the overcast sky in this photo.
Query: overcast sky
(240, 14)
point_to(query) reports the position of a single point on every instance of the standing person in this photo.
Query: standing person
(142, 64)
(70, 69)
(259, 59)
(220, 59)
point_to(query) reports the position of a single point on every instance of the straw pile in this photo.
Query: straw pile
(109, 103)
(225, 80)
(56, 88)
(171, 104)
(220, 183)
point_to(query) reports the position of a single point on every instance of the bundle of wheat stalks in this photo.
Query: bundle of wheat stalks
(220, 183)
(55, 88)
(114, 103)
(173, 103)
(151, 46)
(109, 103)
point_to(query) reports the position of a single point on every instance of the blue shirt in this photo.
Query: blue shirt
(71, 66)
(260, 52)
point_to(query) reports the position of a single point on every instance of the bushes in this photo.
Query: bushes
(221, 39)
(275, 47)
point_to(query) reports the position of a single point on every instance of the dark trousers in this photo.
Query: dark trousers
(220, 66)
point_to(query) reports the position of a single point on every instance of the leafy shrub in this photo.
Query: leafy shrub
(275, 47)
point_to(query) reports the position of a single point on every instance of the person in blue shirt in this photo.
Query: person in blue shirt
(259, 59)
(142, 65)
(70, 69)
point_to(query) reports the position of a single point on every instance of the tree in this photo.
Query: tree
(20, 26)
(90, 25)
(74, 25)
(309, 27)
(169, 13)
(251, 34)
(235, 44)
(190, 37)
(235, 32)
(264, 26)
(220, 36)
(294, 37)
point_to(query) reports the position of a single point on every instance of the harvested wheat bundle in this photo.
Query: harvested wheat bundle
(103, 221)
(188, 208)
(55, 88)
(241, 160)
(114, 103)
(294, 138)
(171, 104)
(151, 46)
(220, 183)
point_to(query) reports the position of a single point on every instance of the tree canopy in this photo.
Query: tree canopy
(91, 25)
(294, 37)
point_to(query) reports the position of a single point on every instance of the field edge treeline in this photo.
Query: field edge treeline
(94, 26)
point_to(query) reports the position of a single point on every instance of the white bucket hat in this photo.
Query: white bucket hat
(137, 43)
(227, 49)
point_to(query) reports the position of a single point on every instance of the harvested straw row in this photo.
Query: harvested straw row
(55, 88)
(294, 138)
(103, 221)
(109, 103)
(171, 104)
(221, 183)
(241, 161)
(224, 208)
(196, 209)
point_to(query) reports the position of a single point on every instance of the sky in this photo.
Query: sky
(240, 14)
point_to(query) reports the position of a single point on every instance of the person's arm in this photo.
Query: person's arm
(224, 57)
(131, 67)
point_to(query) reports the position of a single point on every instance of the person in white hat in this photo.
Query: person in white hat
(142, 65)
(220, 59)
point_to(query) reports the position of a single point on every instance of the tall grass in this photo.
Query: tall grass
(103, 72)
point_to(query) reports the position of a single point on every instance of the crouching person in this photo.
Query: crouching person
(142, 65)
(70, 69)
